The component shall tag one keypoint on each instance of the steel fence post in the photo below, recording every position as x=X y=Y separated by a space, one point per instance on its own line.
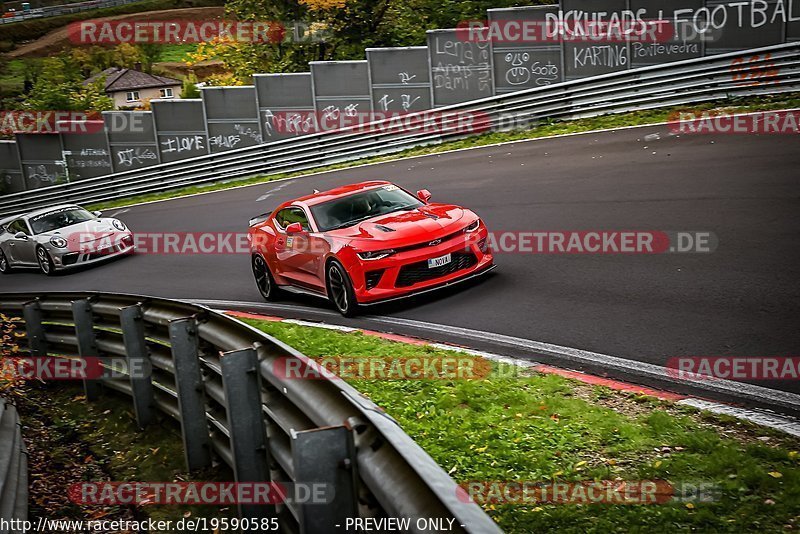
x=248 y=436
x=34 y=329
x=324 y=462
x=138 y=357
x=87 y=343
x=191 y=401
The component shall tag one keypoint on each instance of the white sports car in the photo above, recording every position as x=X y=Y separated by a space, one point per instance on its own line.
x=60 y=237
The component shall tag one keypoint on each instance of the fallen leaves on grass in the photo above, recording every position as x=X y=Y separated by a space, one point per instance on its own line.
x=57 y=458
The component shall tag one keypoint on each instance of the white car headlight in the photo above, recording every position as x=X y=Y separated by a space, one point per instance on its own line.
x=375 y=255
x=58 y=242
x=118 y=225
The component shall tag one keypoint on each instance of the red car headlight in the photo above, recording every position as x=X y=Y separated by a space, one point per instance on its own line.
x=473 y=226
x=375 y=255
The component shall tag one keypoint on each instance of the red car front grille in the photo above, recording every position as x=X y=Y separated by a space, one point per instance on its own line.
x=414 y=273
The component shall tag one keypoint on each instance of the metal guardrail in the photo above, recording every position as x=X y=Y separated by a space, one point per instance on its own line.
x=765 y=70
x=220 y=379
x=13 y=466
x=65 y=9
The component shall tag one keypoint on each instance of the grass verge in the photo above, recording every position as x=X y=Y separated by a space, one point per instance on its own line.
x=176 y=52
x=791 y=100
x=546 y=428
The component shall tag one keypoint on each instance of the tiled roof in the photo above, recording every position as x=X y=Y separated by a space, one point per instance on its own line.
x=118 y=79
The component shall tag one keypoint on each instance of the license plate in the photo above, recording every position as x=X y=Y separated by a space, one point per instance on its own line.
x=438 y=262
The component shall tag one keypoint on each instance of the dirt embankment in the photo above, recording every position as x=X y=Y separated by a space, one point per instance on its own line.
x=57 y=40
x=202 y=70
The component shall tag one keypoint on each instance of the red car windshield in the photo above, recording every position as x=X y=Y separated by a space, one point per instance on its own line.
x=358 y=207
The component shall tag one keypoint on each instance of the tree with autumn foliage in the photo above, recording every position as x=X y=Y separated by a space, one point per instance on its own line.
x=336 y=30
x=60 y=85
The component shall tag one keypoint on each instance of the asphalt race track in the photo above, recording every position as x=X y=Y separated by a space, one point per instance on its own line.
x=741 y=300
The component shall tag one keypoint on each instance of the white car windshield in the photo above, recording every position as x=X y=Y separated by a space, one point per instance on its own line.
x=53 y=220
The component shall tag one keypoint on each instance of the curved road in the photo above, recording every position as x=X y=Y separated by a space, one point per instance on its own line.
x=741 y=300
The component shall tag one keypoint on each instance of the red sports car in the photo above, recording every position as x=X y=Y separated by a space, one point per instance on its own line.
x=366 y=243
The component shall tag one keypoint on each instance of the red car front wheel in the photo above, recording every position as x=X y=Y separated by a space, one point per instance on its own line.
x=340 y=290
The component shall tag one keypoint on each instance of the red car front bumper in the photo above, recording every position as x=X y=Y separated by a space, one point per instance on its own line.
x=407 y=272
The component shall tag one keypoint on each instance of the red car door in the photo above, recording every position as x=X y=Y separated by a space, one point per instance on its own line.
x=298 y=255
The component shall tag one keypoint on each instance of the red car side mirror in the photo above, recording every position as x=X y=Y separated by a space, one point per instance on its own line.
x=424 y=195
x=295 y=228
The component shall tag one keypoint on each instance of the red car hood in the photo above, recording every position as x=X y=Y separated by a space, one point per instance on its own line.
x=407 y=227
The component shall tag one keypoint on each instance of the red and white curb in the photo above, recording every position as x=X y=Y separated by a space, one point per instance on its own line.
x=783 y=423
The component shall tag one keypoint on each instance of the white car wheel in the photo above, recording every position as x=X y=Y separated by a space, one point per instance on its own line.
x=45 y=262
x=5 y=267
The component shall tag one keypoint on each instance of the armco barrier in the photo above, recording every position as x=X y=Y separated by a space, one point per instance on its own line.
x=765 y=70
x=13 y=466
x=216 y=376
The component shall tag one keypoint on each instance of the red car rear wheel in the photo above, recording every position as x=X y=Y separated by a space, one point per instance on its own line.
x=264 y=280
